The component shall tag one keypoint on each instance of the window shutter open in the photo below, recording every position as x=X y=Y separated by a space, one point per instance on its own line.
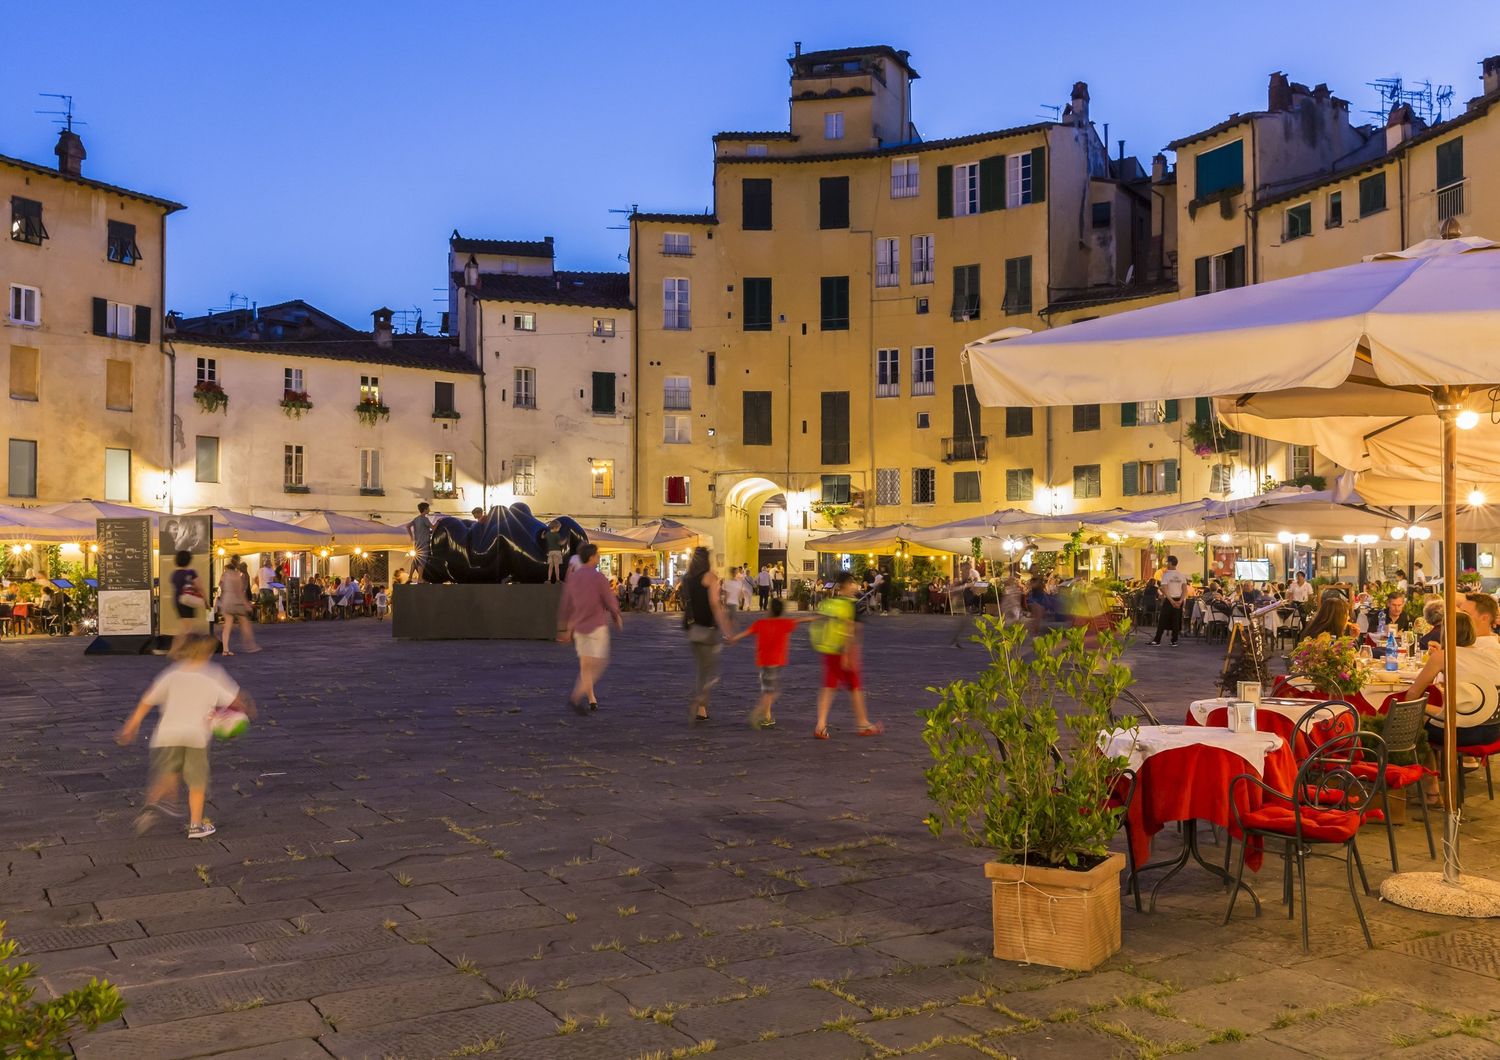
x=1130 y=475
x=1039 y=174
x=1203 y=409
x=1236 y=277
x=1169 y=411
x=1202 y=276
x=992 y=183
x=142 y=323
x=1169 y=476
x=101 y=316
x=945 y=191
x=1127 y=414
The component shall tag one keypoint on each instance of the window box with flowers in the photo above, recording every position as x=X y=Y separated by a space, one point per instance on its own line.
x=1208 y=437
x=210 y=396
x=445 y=414
x=372 y=412
x=294 y=403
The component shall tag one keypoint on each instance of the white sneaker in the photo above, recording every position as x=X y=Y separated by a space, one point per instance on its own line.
x=201 y=831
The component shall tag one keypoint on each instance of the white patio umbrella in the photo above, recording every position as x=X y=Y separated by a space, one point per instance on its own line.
x=238 y=531
x=885 y=539
x=661 y=535
x=34 y=525
x=347 y=531
x=1376 y=360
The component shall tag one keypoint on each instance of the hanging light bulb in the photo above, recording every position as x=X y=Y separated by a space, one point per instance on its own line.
x=1348 y=539
x=1225 y=538
x=1476 y=498
x=1467 y=420
x=1397 y=533
x=1303 y=539
x=1285 y=537
x=1158 y=536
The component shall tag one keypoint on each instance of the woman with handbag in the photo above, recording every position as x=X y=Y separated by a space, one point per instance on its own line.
x=707 y=626
x=234 y=604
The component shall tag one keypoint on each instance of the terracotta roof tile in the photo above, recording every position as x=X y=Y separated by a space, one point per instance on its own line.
x=598 y=290
x=432 y=352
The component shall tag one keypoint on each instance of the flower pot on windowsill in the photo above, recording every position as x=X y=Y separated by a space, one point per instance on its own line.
x=365 y=491
x=372 y=412
x=295 y=489
x=1063 y=918
x=295 y=404
x=445 y=414
x=210 y=397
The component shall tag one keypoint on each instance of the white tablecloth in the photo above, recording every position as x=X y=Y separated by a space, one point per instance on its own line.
x=1147 y=740
x=1201 y=708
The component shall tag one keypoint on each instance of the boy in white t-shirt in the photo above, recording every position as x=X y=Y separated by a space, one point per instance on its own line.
x=187 y=693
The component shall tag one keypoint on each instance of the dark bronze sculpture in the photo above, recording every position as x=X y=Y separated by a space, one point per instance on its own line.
x=506 y=545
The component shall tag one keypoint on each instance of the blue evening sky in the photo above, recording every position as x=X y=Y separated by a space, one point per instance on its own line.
x=326 y=150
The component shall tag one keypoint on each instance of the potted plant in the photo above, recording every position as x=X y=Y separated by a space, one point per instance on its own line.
x=1208 y=437
x=294 y=403
x=1004 y=779
x=1332 y=663
x=210 y=396
x=371 y=411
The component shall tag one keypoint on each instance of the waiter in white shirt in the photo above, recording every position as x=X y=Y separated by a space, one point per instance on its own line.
x=1173 y=599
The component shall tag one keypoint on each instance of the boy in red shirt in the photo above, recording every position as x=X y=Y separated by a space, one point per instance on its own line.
x=772 y=637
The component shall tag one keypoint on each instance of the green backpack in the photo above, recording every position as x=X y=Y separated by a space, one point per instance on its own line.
x=831 y=633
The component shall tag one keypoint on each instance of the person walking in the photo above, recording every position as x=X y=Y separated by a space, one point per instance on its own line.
x=734 y=591
x=643 y=591
x=835 y=636
x=584 y=616
x=234 y=605
x=763 y=583
x=778 y=579
x=631 y=582
x=772 y=638
x=1173 y=599
x=707 y=623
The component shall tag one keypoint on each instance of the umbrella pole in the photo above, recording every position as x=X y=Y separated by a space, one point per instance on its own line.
x=1447 y=412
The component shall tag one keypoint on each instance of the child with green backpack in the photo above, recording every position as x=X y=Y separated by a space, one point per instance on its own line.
x=835 y=636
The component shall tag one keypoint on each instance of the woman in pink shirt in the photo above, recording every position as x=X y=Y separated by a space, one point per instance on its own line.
x=584 y=616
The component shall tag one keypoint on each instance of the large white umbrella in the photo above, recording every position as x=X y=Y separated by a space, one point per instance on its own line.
x=1378 y=358
x=885 y=539
x=347 y=531
x=35 y=525
x=239 y=531
x=661 y=535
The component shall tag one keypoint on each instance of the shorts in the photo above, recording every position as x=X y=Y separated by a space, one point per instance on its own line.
x=555 y=558
x=191 y=762
x=592 y=645
x=837 y=675
x=770 y=680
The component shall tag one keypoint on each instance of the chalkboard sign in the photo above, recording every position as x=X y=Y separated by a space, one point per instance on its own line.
x=124 y=554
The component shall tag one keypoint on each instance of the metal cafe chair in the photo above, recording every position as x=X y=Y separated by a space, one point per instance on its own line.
x=1403 y=723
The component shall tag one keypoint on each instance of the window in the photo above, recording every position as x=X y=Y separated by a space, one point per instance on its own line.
x=888 y=485
x=1298 y=221
x=117 y=475
x=757 y=312
x=924 y=485
x=21 y=478
x=1146 y=413
x=755 y=204
x=1450 y=178
x=1221 y=478
x=1018 y=422
x=1018 y=484
x=291 y=382
x=966 y=189
x=291 y=466
x=677 y=392
x=118 y=385
x=678 y=489
x=121 y=247
x=26 y=221
x=833 y=202
x=969 y=442
x=676 y=304
x=1372 y=195
x=757 y=417
x=525 y=391
x=370 y=480
x=1335 y=218
x=443 y=482
x=677 y=244
x=756 y=150
x=525 y=321
x=887 y=373
x=833 y=125
x=603 y=474
x=965 y=292
x=835 y=303
x=603 y=328
x=768 y=520
x=923 y=374
x=905 y=175
x=509 y=266
x=523 y=476
x=677 y=430
x=1086 y=481
x=1299 y=461
x=835 y=489
x=1099 y=214
x=603 y=403
x=835 y=427
x=119 y=320
x=965 y=487
x=1149 y=476
x=1221 y=169
x=443 y=400
x=924 y=420
x=206 y=459
x=208 y=370
x=922 y=306
x=1219 y=272
x=921 y=259
x=25 y=305
x=1085 y=418
x=1018 y=182
x=25 y=370
x=369 y=390
x=1018 y=285
x=887 y=263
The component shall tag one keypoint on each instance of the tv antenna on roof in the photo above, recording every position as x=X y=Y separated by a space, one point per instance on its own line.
x=1056 y=114
x=64 y=116
x=634 y=209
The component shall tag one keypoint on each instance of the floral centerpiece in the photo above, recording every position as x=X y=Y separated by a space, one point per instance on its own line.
x=210 y=396
x=1332 y=662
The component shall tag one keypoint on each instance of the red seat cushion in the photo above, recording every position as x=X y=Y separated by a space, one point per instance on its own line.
x=1482 y=750
x=1395 y=776
x=1321 y=826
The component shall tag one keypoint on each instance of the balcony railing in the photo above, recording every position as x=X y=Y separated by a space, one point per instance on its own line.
x=887 y=389
x=677 y=250
x=923 y=388
x=967 y=447
x=1450 y=201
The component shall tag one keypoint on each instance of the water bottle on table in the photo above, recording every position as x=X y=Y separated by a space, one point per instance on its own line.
x=1391 y=662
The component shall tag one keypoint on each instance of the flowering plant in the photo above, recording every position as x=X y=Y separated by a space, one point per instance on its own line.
x=1331 y=662
x=210 y=395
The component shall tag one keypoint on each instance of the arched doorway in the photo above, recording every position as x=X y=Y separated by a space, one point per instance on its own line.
x=744 y=541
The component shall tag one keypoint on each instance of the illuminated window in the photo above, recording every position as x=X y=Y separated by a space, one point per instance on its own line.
x=603 y=472
x=523 y=478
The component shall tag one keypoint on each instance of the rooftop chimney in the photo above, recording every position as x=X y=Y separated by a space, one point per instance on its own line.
x=1399 y=126
x=382 y=326
x=1491 y=74
x=1279 y=94
x=1077 y=111
x=70 y=153
x=1158 y=168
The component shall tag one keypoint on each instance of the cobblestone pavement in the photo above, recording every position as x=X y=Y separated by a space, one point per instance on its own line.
x=422 y=854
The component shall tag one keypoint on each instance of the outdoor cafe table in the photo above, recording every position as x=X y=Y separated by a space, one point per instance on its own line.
x=1183 y=774
x=1380 y=685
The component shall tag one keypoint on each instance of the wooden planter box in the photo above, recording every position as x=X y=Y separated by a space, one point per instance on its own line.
x=1063 y=918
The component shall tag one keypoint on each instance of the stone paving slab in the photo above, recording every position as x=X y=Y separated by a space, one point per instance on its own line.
x=441 y=1034
x=205 y=1034
x=408 y=999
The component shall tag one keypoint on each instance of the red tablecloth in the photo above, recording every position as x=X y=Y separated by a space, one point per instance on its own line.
x=1192 y=783
x=1284 y=689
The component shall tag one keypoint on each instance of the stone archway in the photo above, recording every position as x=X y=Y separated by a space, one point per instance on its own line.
x=743 y=503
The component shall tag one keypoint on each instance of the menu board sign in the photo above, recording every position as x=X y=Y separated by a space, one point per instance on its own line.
x=124 y=554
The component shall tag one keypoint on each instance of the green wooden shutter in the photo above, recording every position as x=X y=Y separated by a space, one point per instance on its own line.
x=142 y=323
x=945 y=191
x=1236 y=277
x=1130 y=476
x=1039 y=174
x=604 y=392
x=1169 y=476
x=992 y=183
x=1203 y=409
x=1169 y=414
x=101 y=316
x=1202 y=276
x=1450 y=162
x=1127 y=414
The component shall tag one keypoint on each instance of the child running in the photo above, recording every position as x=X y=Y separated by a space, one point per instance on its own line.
x=836 y=638
x=187 y=693
x=772 y=637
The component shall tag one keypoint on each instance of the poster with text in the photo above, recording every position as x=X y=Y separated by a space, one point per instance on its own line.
x=186 y=579
x=124 y=577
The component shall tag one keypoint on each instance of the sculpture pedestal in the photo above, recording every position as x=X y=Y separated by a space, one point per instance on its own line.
x=475 y=612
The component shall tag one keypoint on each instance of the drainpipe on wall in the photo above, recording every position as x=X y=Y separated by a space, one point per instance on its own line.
x=1401 y=199
x=635 y=389
x=870 y=370
x=1251 y=217
x=171 y=352
x=484 y=401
